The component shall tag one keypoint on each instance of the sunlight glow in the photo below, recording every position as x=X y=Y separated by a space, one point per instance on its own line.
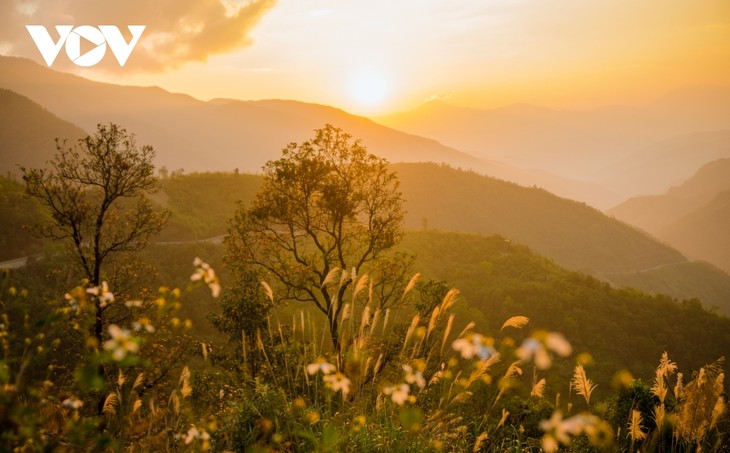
x=369 y=88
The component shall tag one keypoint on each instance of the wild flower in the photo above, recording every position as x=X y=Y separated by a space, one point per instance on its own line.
x=414 y=376
x=72 y=301
x=561 y=431
x=204 y=272
x=337 y=382
x=532 y=349
x=72 y=403
x=557 y=343
x=322 y=365
x=193 y=433
x=102 y=292
x=143 y=323
x=536 y=348
x=398 y=393
x=474 y=345
x=358 y=423
x=121 y=343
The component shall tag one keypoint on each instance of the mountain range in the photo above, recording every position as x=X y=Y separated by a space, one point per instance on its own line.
x=694 y=216
x=627 y=150
x=227 y=134
x=223 y=134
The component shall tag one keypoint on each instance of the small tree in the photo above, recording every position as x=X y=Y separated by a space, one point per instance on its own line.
x=325 y=206
x=95 y=192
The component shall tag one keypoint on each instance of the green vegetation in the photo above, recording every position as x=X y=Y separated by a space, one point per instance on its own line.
x=623 y=329
x=528 y=356
x=202 y=203
x=442 y=198
x=679 y=280
x=16 y=213
x=573 y=234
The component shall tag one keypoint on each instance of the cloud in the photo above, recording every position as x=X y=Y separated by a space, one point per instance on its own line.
x=178 y=31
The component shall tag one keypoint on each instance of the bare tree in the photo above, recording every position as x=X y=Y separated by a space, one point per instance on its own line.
x=95 y=191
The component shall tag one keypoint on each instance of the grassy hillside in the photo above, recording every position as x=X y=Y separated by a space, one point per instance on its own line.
x=621 y=329
x=28 y=132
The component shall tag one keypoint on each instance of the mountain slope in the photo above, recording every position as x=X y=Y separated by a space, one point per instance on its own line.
x=654 y=168
x=438 y=197
x=704 y=233
x=28 y=132
x=694 y=216
x=655 y=212
x=621 y=329
x=575 y=235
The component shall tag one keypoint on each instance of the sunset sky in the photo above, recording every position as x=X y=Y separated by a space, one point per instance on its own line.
x=380 y=56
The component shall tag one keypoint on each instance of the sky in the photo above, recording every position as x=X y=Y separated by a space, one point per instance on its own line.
x=380 y=56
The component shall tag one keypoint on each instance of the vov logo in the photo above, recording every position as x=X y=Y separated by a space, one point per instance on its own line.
x=100 y=37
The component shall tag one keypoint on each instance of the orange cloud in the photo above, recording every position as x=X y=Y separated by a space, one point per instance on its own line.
x=178 y=31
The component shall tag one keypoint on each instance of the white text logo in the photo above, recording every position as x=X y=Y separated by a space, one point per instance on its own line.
x=98 y=36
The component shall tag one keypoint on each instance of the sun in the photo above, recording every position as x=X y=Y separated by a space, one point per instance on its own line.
x=369 y=88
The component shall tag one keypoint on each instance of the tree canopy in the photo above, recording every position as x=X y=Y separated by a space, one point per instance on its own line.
x=95 y=191
x=327 y=211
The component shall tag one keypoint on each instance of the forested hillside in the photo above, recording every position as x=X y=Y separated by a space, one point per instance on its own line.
x=620 y=328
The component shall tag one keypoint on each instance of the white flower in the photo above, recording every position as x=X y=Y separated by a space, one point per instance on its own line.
x=398 y=393
x=534 y=348
x=105 y=296
x=320 y=365
x=143 y=323
x=193 y=434
x=474 y=345
x=414 y=377
x=204 y=272
x=215 y=289
x=121 y=343
x=72 y=301
x=557 y=343
x=72 y=403
x=561 y=431
x=337 y=382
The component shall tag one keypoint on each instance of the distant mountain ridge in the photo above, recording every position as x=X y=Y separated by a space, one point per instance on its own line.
x=597 y=145
x=224 y=134
x=693 y=216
